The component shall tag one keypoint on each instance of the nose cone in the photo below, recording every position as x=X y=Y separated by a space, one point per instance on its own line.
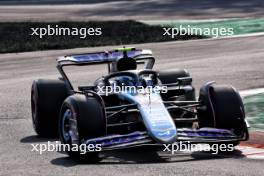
x=155 y=116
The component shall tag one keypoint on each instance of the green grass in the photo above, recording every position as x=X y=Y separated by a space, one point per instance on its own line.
x=15 y=37
x=254 y=106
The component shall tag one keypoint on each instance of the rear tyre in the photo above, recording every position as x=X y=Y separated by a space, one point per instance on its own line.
x=47 y=97
x=169 y=77
x=82 y=118
x=224 y=109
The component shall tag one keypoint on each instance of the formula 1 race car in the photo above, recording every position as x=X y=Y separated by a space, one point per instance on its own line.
x=132 y=107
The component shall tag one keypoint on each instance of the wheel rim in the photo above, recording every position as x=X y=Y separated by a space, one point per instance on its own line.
x=69 y=127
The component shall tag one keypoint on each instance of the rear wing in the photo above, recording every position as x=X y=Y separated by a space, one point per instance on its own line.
x=104 y=57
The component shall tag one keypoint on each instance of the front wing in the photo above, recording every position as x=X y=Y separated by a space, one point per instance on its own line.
x=135 y=139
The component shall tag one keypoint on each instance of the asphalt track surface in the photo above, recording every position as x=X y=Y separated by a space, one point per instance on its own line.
x=236 y=61
x=48 y=10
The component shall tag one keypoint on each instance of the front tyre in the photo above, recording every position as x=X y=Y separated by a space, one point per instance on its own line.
x=224 y=109
x=82 y=117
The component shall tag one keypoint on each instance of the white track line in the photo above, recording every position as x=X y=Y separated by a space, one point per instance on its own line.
x=250 y=92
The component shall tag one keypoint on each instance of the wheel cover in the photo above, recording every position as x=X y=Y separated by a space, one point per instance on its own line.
x=69 y=127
